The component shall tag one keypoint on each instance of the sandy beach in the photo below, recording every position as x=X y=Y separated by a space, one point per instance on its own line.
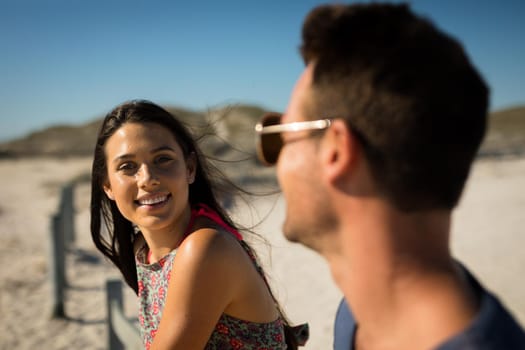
x=488 y=236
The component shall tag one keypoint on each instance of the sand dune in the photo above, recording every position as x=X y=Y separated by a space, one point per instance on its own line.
x=488 y=234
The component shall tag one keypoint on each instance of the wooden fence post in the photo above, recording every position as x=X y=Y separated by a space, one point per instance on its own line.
x=67 y=211
x=62 y=237
x=113 y=297
x=121 y=333
x=56 y=269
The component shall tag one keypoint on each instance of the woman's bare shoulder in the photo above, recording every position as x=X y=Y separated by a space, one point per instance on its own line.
x=204 y=286
x=209 y=244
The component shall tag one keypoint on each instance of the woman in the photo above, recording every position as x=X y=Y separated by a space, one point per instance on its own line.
x=198 y=282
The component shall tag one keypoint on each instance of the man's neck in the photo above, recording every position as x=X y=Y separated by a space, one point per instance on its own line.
x=399 y=279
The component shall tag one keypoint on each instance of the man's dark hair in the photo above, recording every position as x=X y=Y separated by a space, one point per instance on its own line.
x=407 y=91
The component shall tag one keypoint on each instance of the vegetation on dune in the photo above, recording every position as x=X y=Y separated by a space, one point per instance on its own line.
x=506 y=136
x=227 y=133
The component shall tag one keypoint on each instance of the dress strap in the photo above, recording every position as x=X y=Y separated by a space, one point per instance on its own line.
x=202 y=209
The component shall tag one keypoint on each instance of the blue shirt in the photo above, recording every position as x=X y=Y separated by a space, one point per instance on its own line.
x=493 y=328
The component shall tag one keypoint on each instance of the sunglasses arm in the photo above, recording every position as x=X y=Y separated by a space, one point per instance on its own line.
x=296 y=126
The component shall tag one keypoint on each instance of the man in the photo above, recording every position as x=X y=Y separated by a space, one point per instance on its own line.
x=372 y=156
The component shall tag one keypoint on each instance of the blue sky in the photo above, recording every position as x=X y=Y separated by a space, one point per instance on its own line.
x=70 y=61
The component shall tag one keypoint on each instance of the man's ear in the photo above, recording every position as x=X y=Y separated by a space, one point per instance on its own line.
x=108 y=191
x=339 y=151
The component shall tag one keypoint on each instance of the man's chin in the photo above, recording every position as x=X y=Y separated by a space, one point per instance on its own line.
x=297 y=236
x=291 y=237
x=289 y=233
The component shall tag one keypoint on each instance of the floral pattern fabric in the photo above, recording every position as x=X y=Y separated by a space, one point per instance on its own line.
x=229 y=333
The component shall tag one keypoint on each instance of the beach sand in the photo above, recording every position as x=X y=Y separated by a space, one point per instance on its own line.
x=488 y=236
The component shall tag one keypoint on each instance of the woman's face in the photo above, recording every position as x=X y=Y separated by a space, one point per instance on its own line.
x=148 y=177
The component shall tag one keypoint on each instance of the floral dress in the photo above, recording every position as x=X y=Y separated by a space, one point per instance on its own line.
x=229 y=333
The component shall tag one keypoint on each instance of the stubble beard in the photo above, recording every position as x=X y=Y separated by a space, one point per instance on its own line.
x=309 y=212
x=295 y=234
x=310 y=230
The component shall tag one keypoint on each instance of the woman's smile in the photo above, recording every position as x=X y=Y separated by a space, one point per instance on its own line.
x=153 y=201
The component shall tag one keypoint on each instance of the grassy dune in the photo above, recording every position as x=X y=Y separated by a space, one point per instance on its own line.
x=234 y=127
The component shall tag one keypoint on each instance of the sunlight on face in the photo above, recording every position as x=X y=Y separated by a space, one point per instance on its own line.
x=148 y=176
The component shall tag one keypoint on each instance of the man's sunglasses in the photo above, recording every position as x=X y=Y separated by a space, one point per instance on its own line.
x=270 y=141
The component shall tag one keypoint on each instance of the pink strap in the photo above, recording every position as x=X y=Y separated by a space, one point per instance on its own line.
x=204 y=210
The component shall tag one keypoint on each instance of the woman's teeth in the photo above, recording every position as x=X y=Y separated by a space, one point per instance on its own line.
x=153 y=200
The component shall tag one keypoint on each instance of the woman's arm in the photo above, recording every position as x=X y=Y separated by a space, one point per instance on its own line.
x=202 y=285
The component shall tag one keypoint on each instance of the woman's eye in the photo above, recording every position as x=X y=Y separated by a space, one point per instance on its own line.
x=163 y=159
x=126 y=167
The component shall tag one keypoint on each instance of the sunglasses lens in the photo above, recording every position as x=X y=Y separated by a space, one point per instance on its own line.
x=270 y=144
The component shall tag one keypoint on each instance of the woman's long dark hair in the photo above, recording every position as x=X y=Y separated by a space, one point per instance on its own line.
x=117 y=242
x=112 y=233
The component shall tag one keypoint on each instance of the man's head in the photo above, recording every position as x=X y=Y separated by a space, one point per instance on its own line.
x=407 y=92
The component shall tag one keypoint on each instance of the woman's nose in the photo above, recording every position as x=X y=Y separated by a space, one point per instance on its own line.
x=147 y=176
